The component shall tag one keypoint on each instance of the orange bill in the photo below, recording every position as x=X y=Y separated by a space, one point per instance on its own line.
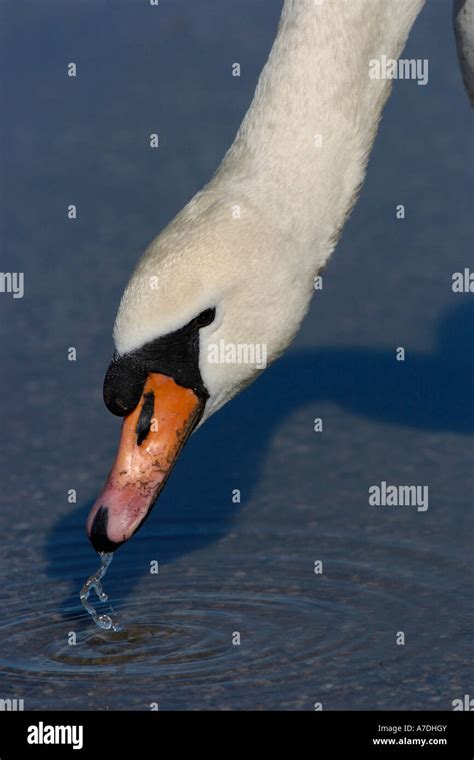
x=152 y=437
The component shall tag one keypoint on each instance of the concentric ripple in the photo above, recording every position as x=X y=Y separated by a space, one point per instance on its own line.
x=279 y=635
x=184 y=634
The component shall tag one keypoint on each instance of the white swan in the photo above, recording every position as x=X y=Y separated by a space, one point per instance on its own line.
x=236 y=266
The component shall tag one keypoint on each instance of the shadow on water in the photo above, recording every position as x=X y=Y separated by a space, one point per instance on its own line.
x=427 y=392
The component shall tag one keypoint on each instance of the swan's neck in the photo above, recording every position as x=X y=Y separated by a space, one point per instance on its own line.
x=300 y=154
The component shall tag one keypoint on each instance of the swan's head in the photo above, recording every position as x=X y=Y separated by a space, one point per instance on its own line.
x=211 y=303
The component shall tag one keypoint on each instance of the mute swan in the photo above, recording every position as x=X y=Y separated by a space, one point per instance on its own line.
x=236 y=266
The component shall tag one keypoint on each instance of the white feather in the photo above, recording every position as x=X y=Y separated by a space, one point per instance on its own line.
x=294 y=196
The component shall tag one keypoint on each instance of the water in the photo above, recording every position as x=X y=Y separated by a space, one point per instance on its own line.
x=227 y=568
x=94 y=582
x=304 y=638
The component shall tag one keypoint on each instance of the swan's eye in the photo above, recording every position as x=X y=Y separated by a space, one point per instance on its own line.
x=205 y=317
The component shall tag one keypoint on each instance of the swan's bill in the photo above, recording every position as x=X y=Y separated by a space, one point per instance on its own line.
x=151 y=439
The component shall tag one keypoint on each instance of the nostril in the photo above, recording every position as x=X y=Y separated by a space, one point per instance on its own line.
x=98 y=536
x=146 y=416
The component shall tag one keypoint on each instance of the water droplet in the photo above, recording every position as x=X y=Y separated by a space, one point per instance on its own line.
x=105 y=622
